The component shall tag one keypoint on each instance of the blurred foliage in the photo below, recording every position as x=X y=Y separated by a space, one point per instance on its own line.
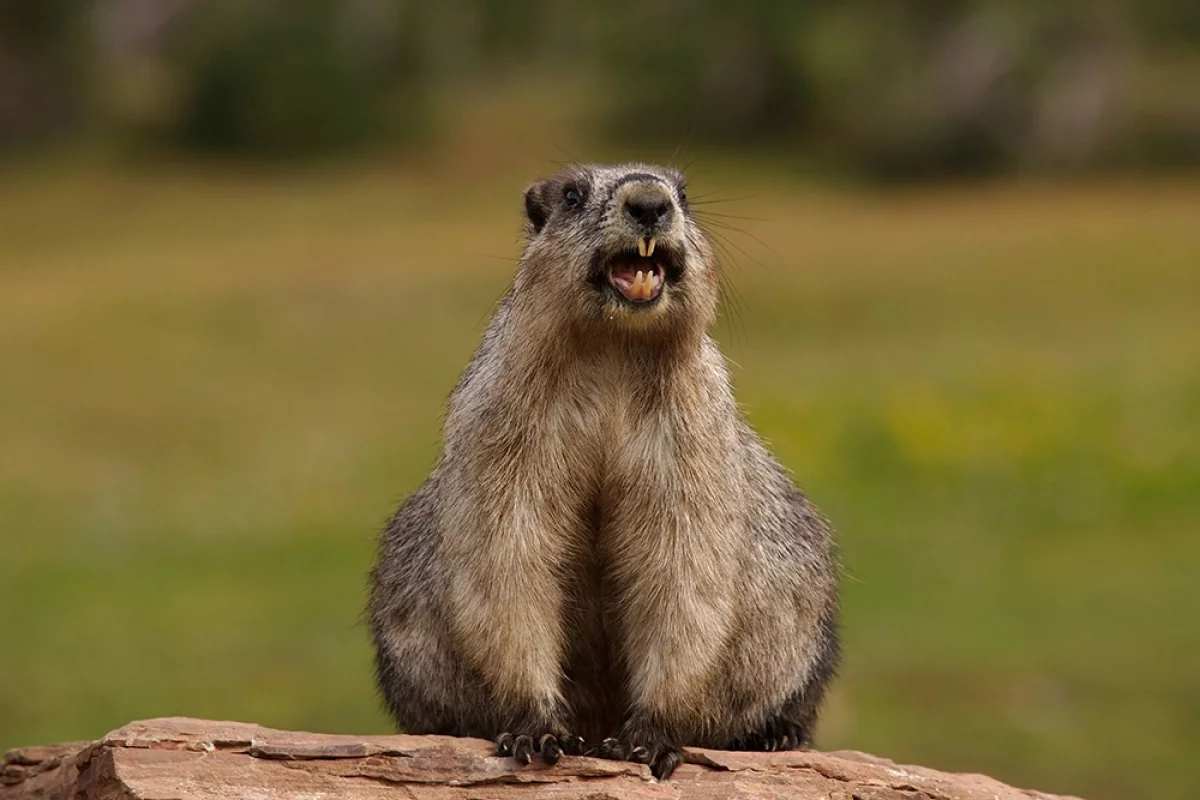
x=907 y=90
x=918 y=89
x=295 y=78
x=701 y=69
x=44 y=81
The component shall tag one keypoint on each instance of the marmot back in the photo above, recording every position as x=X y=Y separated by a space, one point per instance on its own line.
x=606 y=556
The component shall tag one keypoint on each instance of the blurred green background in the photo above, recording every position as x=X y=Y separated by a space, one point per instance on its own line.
x=246 y=248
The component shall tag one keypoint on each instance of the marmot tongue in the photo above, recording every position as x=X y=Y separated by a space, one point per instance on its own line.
x=637 y=279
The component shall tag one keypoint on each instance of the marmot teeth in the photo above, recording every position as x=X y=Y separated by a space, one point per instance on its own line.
x=644 y=285
x=646 y=247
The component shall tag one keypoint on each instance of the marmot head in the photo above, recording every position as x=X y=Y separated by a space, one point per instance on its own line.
x=615 y=249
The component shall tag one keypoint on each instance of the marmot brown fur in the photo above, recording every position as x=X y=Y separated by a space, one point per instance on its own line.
x=606 y=553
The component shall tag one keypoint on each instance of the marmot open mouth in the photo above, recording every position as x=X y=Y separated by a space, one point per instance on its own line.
x=639 y=277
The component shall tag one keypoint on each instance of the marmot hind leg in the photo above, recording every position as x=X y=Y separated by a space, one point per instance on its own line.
x=791 y=727
x=779 y=733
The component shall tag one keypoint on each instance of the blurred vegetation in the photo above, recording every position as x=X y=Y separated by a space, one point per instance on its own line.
x=885 y=91
x=45 y=49
x=295 y=78
x=921 y=89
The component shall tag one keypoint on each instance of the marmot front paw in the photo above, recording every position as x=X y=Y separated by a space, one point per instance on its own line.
x=662 y=754
x=522 y=746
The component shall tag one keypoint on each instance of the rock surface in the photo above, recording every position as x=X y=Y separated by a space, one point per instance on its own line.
x=181 y=759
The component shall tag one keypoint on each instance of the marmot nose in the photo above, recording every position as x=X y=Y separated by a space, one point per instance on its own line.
x=648 y=209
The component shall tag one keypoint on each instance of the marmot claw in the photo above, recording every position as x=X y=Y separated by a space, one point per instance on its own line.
x=552 y=746
x=662 y=757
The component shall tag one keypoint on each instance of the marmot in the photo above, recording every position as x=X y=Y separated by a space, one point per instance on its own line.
x=606 y=553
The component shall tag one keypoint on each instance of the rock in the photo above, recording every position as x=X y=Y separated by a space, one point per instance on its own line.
x=182 y=759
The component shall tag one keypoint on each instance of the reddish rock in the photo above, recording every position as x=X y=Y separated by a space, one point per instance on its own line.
x=182 y=759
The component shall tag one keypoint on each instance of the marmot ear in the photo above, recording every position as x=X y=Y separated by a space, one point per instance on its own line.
x=536 y=209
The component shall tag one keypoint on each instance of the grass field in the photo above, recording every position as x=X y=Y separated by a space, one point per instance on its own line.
x=214 y=389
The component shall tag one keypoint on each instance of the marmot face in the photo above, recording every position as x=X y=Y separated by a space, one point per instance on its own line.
x=618 y=245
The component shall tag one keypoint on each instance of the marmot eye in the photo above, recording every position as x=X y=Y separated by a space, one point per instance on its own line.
x=572 y=197
x=683 y=194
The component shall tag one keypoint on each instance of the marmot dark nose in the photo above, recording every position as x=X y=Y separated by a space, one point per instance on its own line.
x=648 y=209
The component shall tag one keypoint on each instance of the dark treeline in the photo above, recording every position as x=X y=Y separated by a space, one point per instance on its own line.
x=887 y=90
